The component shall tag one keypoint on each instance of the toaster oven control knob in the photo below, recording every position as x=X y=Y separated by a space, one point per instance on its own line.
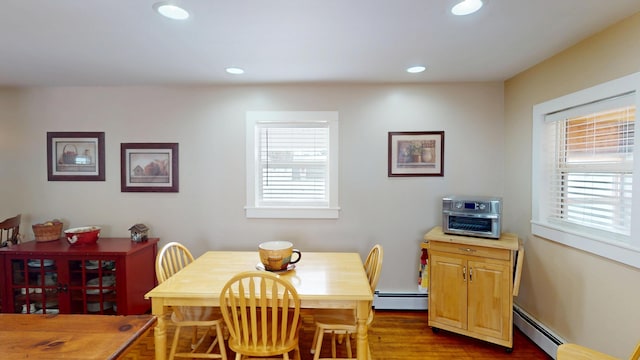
x=482 y=206
x=459 y=205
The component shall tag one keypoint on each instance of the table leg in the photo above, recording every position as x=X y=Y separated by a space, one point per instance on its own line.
x=160 y=331
x=362 y=314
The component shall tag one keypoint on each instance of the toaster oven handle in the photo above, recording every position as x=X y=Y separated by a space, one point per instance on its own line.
x=471 y=215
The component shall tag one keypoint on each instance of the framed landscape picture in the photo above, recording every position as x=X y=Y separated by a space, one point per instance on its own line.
x=75 y=156
x=416 y=153
x=149 y=167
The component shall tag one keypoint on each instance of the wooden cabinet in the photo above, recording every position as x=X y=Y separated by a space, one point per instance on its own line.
x=109 y=277
x=472 y=282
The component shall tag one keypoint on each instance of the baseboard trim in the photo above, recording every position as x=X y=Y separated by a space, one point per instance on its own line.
x=400 y=301
x=542 y=336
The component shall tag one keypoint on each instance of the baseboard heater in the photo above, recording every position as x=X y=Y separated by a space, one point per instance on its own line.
x=400 y=301
x=538 y=333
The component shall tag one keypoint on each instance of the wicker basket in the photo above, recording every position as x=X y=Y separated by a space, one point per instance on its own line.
x=47 y=232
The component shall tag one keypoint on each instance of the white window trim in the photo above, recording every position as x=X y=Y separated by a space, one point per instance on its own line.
x=330 y=212
x=626 y=251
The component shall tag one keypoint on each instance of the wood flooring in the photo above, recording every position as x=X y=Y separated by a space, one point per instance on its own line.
x=394 y=335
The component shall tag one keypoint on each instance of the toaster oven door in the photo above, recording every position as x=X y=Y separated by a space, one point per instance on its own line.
x=465 y=224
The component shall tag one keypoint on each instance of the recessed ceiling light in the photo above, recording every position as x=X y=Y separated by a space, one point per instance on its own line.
x=234 y=70
x=466 y=7
x=416 y=69
x=171 y=11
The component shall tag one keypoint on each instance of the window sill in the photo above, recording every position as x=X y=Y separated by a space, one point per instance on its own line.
x=292 y=213
x=616 y=251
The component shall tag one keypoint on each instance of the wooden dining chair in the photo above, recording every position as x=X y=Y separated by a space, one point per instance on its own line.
x=10 y=231
x=172 y=258
x=571 y=351
x=341 y=324
x=262 y=313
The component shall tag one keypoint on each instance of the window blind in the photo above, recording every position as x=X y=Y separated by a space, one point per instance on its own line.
x=590 y=162
x=293 y=163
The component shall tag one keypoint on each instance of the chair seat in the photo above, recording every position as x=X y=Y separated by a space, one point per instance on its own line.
x=272 y=346
x=577 y=352
x=182 y=314
x=569 y=351
x=342 y=323
x=345 y=318
x=198 y=317
x=267 y=350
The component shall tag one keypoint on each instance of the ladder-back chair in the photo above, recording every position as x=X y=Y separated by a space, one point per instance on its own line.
x=262 y=314
x=10 y=231
x=570 y=351
x=341 y=323
x=172 y=258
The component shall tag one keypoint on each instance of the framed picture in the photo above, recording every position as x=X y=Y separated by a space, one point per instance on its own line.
x=416 y=153
x=75 y=156
x=149 y=167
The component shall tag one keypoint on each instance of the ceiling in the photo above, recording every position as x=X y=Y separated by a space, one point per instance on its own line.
x=124 y=42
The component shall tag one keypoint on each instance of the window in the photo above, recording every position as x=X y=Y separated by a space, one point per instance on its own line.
x=583 y=170
x=592 y=165
x=292 y=164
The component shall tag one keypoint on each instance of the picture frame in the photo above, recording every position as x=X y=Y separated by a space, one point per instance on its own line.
x=416 y=153
x=75 y=156
x=149 y=167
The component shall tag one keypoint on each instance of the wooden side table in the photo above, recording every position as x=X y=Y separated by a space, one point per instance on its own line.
x=472 y=282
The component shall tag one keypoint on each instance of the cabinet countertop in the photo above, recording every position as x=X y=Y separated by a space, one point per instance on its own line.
x=507 y=241
x=105 y=246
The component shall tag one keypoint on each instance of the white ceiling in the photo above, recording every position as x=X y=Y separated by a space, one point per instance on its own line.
x=124 y=42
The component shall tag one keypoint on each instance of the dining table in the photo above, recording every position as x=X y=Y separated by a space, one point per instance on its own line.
x=323 y=280
x=70 y=336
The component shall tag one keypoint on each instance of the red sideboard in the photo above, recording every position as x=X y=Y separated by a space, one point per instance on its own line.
x=109 y=277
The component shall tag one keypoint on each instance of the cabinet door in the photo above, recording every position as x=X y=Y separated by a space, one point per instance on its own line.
x=448 y=290
x=92 y=285
x=32 y=285
x=489 y=297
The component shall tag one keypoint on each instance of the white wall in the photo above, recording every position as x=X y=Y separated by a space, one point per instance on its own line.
x=11 y=162
x=584 y=298
x=209 y=125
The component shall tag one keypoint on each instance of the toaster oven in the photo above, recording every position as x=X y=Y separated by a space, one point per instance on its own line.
x=472 y=216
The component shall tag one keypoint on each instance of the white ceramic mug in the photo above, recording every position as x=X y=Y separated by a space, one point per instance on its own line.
x=277 y=255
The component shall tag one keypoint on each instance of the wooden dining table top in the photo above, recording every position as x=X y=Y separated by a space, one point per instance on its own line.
x=70 y=336
x=325 y=280
x=322 y=279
